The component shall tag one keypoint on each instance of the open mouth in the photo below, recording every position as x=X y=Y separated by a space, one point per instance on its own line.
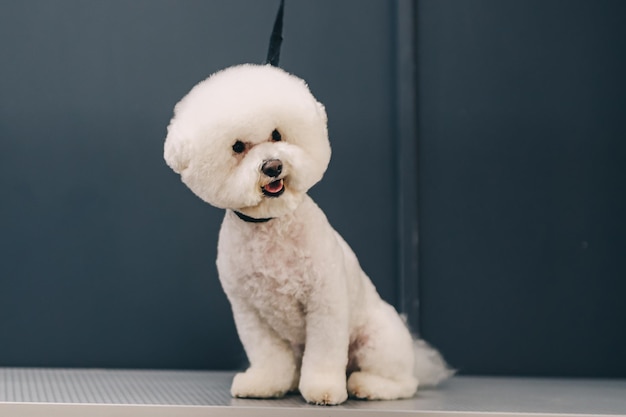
x=274 y=188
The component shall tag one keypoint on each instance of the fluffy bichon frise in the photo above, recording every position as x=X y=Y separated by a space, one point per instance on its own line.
x=253 y=140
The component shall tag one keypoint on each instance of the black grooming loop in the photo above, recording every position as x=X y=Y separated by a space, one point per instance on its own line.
x=276 y=39
x=273 y=56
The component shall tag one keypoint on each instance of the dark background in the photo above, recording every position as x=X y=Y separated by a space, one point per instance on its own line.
x=107 y=260
x=522 y=140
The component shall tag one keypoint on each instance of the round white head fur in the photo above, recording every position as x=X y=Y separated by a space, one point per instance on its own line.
x=231 y=124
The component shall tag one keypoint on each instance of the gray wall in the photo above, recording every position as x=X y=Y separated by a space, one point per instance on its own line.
x=522 y=131
x=106 y=259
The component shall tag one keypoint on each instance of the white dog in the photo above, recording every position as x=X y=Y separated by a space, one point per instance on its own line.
x=252 y=139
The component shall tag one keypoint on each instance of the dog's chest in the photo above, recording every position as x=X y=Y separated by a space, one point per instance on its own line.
x=272 y=273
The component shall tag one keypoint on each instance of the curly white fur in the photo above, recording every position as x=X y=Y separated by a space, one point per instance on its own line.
x=307 y=315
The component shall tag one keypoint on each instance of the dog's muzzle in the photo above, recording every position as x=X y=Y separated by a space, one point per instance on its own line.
x=273 y=168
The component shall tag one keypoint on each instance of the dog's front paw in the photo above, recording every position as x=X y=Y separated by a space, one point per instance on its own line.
x=256 y=383
x=324 y=388
x=367 y=386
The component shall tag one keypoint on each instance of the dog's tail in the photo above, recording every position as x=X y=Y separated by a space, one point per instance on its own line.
x=431 y=368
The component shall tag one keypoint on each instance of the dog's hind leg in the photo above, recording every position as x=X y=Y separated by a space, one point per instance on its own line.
x=273 y=367
x=382 y=358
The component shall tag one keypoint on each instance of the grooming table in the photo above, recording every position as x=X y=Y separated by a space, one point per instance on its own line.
x=102 y=392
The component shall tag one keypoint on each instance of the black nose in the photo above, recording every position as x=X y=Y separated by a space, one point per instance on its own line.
x=272 y=167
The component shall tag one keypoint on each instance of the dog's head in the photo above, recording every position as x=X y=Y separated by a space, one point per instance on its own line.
x=251 y=138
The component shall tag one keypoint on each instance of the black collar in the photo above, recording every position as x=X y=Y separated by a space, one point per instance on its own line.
x=251 y=219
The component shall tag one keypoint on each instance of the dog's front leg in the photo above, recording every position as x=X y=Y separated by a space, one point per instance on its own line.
x=273 y=370
x=323 y=371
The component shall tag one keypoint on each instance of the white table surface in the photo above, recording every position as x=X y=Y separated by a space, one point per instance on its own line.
x=100 y=392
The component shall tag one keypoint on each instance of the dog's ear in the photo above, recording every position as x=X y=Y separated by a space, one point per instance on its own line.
x=321 y=110
x=176 y=150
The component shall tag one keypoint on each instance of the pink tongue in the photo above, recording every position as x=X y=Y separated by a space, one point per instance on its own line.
x=274 y=187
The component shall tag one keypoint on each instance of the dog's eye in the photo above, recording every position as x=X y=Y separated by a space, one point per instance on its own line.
x=239 y=147
x=276 y=136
